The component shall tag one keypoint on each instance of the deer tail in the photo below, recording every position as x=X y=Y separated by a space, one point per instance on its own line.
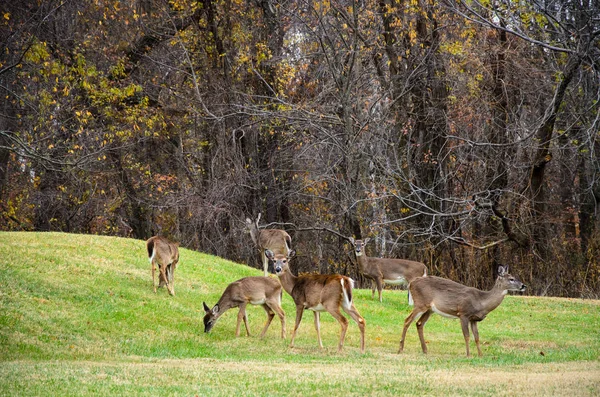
x=347 y=291
x=411 y=302
x=150 y=247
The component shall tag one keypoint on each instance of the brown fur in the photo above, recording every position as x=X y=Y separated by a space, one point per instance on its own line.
x=315 y=290
x=276 y=240
x=468 y=304
x=166 y=254
x=380 y=269
x=244 y=291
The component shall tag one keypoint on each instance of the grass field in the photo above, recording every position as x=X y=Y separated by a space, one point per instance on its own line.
x=78 y=317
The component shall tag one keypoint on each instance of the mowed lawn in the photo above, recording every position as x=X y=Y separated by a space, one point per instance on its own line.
x=78 y=317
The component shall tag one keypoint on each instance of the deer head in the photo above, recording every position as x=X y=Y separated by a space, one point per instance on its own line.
x=280 y=262
x=211 y=316
x=359 y=245
x=507 y=282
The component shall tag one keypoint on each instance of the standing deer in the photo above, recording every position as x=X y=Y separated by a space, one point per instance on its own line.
x=276 y=240
x=385 y=270
x=318 y=292
x=166 y=254
x=264 y=291
x=454 y=300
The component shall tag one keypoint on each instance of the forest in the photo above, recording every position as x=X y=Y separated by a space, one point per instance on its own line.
x=461 y=133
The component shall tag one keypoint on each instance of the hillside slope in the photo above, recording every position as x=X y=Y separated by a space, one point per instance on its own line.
x=85 y=304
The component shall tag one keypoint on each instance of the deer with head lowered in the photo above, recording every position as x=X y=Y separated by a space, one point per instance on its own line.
x=386 y=270
x=276 y=240
x=318 y=292
x=166 y=254
x=264 y=291
x=454 y=300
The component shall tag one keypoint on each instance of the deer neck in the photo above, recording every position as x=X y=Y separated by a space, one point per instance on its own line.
x=224 y=304
x=363 y=262
x=494 y=297
x=288 y=281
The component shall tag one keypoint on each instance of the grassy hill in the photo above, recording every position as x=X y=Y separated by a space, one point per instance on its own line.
x=78 y=317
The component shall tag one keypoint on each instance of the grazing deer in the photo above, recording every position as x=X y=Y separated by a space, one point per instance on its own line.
x=166 y=254
x=262 y=291
x=385 y=270
x=318 y=292
x=276 y=240
x=454 y=300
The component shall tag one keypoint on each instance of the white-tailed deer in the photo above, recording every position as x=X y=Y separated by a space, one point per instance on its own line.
x=386 y=270
x=276 y=240
x=264 y=291
x=318 y=292
x=454 y=300
x=166 y=254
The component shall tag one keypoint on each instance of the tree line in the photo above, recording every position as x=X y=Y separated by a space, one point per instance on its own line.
x=464 y=134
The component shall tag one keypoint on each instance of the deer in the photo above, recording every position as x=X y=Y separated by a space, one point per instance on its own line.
x=451 y=299
x=276 y=240
x=264 y=291
x=318 y=292
x=386 y=270
x=166 y=254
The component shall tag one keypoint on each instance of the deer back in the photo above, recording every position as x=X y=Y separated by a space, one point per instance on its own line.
x=391 y=269
x=314 y=289
x=446 y=296
x=255 y=290
x=164 y=251
x=276 y=240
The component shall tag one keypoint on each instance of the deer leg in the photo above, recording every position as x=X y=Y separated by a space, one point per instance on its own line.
x=361 y=324
x=170 y=283
x=373 y=289
x=276 y=307
x=335 y=312
x=299 y=312
x=476 y=336
x=163 y=276
x=379 y=282
x=464 y=323
x=265 y=263
x=420 y=325
x=153 y=282
x=415 y=314
x=318 y=328
x=270 y=315
x=242 y=316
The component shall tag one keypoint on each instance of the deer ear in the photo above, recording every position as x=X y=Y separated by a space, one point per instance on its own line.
x=206 y=308
x=365 y=241
x=351 y=239
x=291 y=254
x=502 y=270
x=215 y=309
x=269 y=254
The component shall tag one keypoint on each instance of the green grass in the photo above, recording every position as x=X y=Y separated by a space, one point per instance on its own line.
x=78 y=317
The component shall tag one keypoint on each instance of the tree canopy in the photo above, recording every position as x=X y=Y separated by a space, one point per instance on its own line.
x=464 y=134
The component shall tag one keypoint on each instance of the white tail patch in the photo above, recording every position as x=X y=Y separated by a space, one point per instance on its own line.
x=151 y=259
x=411 y=302
x=346 y=301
